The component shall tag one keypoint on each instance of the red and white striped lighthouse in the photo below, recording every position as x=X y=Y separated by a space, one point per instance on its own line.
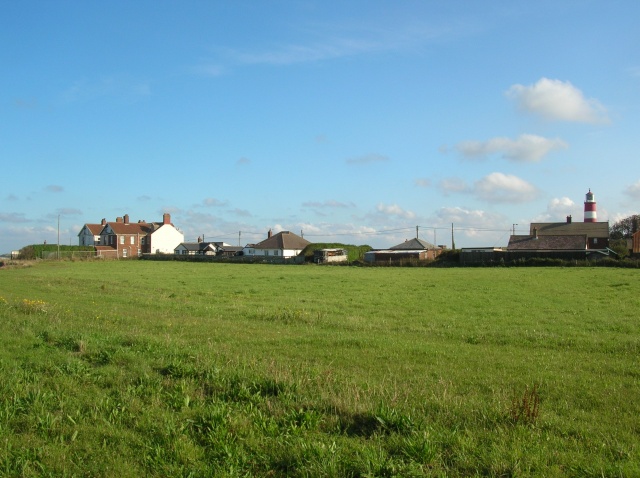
x=590 y=214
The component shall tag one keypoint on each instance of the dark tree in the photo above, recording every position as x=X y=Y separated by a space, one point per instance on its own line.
x=625 y=228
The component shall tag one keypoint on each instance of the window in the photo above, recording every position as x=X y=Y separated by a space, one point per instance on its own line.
x=133 y=239
x=275 y=253
x=595 y=240
x=121 y=239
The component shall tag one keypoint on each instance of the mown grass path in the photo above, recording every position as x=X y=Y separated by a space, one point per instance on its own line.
x=137 y=368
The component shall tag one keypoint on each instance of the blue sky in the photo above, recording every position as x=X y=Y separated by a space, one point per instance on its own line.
x=350 y=122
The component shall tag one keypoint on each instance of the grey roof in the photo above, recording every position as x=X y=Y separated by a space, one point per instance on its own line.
x=414 y=244
x=548 y=243
x=198 y=246
x=283 y=240
x=590 y=229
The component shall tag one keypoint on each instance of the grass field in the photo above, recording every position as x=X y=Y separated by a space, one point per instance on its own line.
x=140 y=368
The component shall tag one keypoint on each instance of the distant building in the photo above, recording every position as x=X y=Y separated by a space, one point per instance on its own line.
x=412 y=249
x=123 y=238
x=283 y=244
x=597 y=233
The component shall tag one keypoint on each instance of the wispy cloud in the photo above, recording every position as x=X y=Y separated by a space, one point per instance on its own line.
x=525 y=148
x=243 y=161
x=68 y=211
x=13 y=217
x=213 y=202
x=54 y=188
x=330 y=42
x=558 y=100
x=633 y=190
x=116 y=86
x=368 y=159
x=327 y=204
x=452 y=185
x=422 y=182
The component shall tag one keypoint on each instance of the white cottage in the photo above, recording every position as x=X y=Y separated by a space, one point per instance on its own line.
x=283 y=244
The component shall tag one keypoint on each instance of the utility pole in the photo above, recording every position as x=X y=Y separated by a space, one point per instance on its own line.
x=417 y=233
x=514 y=230
x=58 y=236
x=239 y=238
x=453 y=243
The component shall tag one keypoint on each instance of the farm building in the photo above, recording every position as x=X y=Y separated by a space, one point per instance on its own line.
x=415 y=249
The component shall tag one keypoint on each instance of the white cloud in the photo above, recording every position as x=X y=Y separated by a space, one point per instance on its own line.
x=525 y=148
x=504 y=188
x=633 y=190
x=394 y=210
x=558 y=100
x=558 y=209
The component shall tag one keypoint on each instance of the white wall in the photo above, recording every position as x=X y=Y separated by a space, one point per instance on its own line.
x=165 y=239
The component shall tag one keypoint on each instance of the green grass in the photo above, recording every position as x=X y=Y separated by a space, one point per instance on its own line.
x=140 y=368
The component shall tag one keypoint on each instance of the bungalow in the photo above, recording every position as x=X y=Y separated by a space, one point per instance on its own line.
x=196 y=248
x=283 y=244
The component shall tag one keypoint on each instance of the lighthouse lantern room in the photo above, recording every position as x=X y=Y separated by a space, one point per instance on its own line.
x=590 y=214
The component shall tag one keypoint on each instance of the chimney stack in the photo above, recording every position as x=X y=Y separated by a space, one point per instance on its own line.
x=569 y=219
x=269 y=234
x=118 y=219
x=166 y=218
x=103 y=222
x=126 y=219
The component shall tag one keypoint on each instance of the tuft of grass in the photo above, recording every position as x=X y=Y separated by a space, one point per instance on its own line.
x=525 y=407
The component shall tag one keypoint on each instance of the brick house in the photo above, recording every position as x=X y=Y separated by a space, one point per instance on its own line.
x=123 y=238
